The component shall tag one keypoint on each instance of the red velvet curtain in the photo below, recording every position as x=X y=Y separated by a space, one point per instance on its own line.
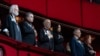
x=79 y=12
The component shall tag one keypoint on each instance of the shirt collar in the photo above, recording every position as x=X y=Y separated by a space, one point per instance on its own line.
x=76 y=37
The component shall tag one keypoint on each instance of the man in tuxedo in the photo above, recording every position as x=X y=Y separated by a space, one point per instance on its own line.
x=29 y=33
x=76 y=46
x=46 y=36
x=11 y=26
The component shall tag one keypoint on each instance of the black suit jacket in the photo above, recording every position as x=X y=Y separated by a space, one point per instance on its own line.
x=28 y=34
x=77 y=49
x=44 y=41
x=58 y=43
x=12 y=27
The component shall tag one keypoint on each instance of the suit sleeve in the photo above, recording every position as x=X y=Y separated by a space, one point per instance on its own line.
x=6 y=22
x=9 y=26
x=73 y=48
x=25 y=29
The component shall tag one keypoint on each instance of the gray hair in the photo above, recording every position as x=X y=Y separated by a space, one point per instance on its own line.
x=12 y=8
x=75 y=30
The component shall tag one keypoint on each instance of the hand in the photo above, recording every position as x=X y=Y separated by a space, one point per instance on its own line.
x=52 y=50
x=0 y=29
x=35 y=33
x=49 y=34
x=92 y=51
x=36 y=45
x=60 y=36
x=7 y=33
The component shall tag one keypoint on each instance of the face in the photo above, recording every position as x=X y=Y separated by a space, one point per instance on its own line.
x=16 y=11
x=78 y=33
x=89 y=38
x=59 y=28
x=47 y=24
x=30 y=18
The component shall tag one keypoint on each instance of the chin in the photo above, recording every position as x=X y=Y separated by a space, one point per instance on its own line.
x=16 y=14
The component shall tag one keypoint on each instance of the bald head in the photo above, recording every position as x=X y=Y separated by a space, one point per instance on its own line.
x=47 y=23
x=14 y=10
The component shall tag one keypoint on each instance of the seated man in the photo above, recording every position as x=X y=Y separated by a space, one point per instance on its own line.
x=46 y=37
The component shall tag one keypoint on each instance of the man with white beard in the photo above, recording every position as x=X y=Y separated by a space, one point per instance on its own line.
x=11 y=26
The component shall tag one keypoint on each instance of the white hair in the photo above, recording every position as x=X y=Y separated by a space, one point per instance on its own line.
x=12 y=7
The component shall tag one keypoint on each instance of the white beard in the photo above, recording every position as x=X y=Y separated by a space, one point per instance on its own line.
x=15 y=13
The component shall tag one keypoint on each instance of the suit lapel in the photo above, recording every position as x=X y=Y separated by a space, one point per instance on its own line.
x=28 y=26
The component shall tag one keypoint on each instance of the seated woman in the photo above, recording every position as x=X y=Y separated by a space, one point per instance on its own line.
x=87 y=45
x=28 y=31
x=58 y=40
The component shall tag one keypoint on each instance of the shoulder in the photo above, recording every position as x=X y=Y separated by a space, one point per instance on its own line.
x=8 y=17
x=24 y=24
x=73 y=38
x=42 y=29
